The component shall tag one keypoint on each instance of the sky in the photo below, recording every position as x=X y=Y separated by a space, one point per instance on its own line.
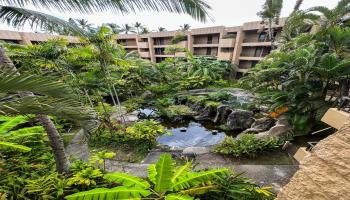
x=224 y=12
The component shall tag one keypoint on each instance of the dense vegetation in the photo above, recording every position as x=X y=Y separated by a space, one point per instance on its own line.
x=49 y=91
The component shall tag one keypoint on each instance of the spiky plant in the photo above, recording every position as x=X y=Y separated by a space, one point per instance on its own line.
x=165 y=182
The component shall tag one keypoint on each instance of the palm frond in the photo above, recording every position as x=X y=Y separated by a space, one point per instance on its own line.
x=8 y=123
x=199 y=190
x=18 y=17
x=11 y=82
x=198 y=9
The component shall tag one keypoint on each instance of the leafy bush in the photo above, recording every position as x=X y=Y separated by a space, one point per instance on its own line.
x=178 y=38
x=165 y=182
x=177 y=111
x=85 y=177
x=147 y=130
x=193 y=82
x=234 y=186
x=246 y=145
x=133 y=104
x=219 y=96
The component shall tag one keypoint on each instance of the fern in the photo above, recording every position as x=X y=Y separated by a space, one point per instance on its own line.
x=178 y=197
x=28 y=130
x=11 y=122
x=117 y=193
x=14 y=146
x=127 y=180
x=165 y=171
x=194 y=179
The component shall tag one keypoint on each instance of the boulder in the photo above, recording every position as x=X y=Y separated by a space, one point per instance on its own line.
x=222 y=112
x=240 y=119
x=147 y=94
x=261 y=125
x=207 y=113
x=280 y=129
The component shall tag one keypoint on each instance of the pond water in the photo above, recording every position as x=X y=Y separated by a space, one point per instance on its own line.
x=190 y=134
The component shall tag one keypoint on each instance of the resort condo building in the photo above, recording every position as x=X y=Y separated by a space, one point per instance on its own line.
x=243 y=45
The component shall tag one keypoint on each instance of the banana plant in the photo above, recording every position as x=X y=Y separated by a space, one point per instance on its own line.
x=165 y=181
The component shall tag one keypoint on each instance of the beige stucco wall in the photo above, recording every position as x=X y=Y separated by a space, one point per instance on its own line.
x=325 y=173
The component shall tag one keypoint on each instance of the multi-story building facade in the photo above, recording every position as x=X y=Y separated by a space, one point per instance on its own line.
x=243 y=45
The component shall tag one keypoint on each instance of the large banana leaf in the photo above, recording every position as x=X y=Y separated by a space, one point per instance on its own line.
x=199 y=190
x=152 y=172
x=165 y=172
x=181 y=171
x=127 y=180
x=197 y=178
x=117 y=193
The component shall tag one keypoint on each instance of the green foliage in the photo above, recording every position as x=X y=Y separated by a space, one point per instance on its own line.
x=120 y=192
x=219 y=96
x=51 y=186
x=147 y=130
x=234 y=186
x=100 y=157
x=166 y=181
x=177 y=111
x=178 y=38
x=246 y=145
x=85 y=177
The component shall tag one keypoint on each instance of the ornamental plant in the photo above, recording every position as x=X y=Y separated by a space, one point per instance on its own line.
x=165 y=181
x=147 y=130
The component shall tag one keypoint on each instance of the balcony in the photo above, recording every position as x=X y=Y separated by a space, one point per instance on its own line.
x=225 y=56
x=180 y=54
x=206 y=45
x=143 y=45
x=250 y=58
x=182 y=44
x=227 y=42
x=256 y=44
x=144 y=54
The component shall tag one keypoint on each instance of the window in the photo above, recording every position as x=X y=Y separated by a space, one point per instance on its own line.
x=262 y=37
x=258 y=51
x=210 y=39
x=208 y=51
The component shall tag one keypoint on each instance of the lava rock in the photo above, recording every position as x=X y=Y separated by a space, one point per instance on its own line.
x=261 y=125
x=279 y=130
x=240 y=119
x=222 y=112
x=206 y=114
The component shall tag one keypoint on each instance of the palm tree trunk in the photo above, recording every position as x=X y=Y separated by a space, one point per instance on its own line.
x=56 y=142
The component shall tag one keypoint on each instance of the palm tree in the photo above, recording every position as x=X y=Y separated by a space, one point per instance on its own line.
x=84 y=24
x=138 y=27
x=17 y=15
x=331 y=17
x=115 y=28
x=297 y=5
x=144 y=30
x=161 y=29
x=271 y=14
x=185 y=27
x=126 y=28
x=53 y=98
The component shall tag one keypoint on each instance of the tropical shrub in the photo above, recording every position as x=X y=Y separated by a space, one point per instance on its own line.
x=219 y=96
x=85 y=177
x=246 y=145
x=165 y=181
x=146 y=130
x=176 y=111
x=234 y=186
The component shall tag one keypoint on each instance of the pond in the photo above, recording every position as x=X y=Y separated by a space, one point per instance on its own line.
x=191 y=134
